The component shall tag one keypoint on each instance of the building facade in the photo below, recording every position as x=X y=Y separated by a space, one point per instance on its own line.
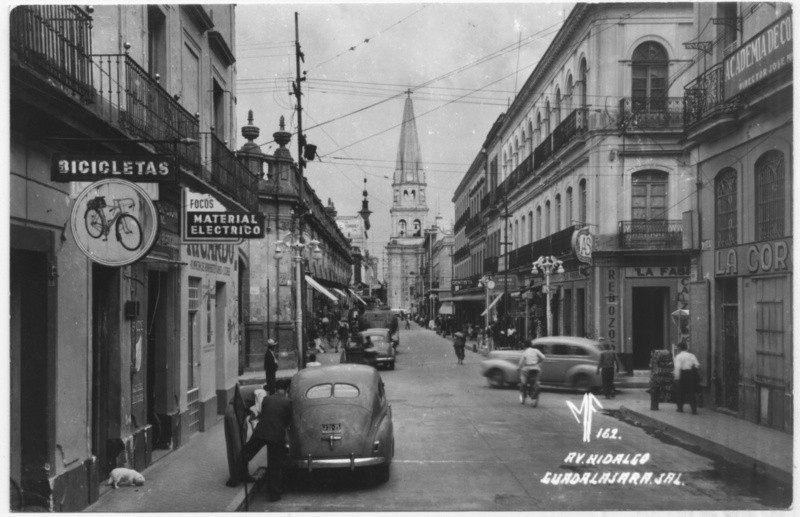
x=124 y=363
x=270 y=303
x=739 y=138
x=409 y=213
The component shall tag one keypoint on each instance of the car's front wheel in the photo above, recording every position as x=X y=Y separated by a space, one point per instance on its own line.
x=496 y=378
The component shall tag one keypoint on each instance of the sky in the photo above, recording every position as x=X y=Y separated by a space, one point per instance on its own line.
x=463 y=63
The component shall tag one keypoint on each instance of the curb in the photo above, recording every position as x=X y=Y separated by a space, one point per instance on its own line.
x=714 y=449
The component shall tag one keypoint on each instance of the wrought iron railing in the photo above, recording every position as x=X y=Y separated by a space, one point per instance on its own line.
x=461 y=253
x=461 y=221
x=486 y=201
x=231 y=175
x=474 y=223
x=573 y=125
x=558 y=244
x=490 y=264
x=543 y=151
x=128 y=97
x=55 y=40
x=651 y=234
x=704 y=96
x=651 y=113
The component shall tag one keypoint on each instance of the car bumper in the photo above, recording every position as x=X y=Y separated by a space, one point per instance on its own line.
x=335 y=463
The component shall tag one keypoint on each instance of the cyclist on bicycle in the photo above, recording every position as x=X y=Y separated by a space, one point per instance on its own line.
x=529 y=371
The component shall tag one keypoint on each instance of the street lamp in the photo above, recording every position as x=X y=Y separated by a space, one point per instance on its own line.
x=298 y=245
x=547 y=265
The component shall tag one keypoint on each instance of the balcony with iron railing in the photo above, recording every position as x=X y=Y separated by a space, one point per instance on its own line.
x=558 y=244
x=543 y=151
x=573 y=125
x=230 y=175
x=490 y=264
x=461 y=253
x=705 y=96
x=475 y=222
x=461 y=221
x=654 y=234
x=56 y=41
x=651 y=113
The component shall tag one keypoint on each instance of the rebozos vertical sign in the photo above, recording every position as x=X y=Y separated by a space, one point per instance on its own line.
x=761 y=57
x=114 y=222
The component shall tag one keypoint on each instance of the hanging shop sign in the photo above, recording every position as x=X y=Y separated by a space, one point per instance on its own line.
x=582 y=244
x=760 y=58
x=149 y=168
x=114 y=222
x=206 y=220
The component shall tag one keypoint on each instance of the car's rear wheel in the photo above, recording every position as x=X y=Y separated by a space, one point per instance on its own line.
x=582 y=382
x=496 y=378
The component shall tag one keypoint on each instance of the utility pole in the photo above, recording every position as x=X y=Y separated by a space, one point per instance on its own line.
x=505 y=216
x=296 y=87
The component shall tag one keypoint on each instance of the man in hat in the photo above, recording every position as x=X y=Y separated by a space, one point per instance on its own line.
x=270 y=365
x=459 y=344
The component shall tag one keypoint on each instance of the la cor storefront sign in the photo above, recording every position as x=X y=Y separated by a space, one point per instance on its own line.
x=754 y=259
x=150 y=168
x=761 y=57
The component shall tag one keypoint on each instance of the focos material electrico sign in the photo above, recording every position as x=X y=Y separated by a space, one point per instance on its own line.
x=206 y=220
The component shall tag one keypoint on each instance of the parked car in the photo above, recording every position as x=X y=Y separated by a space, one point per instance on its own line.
x=372 y=347
x=340 y=419
x=569 y=361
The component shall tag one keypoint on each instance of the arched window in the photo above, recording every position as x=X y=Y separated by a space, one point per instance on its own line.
x=547 y=230
x=405 y=194
x=547 y=118
x=650 y=68
x=770 y=196
x=417 y=228
x=538 y=223
x=584 y=78
x=649 y=196
x=582 y=204
x=558 y=108
x=568 y=216
x=402 y=227
x=558 y=212
x=538 y=128
x=568 y=96
x=522 y=232
x=524 y=151
x=413 y=195
x=726 y=212
x=515 y=159
x=505 y=164
x=530 y=226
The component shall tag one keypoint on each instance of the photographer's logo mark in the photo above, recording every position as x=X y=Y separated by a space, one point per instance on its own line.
x=585 y=411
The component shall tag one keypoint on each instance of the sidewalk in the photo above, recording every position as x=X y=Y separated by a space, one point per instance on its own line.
x=193 y=477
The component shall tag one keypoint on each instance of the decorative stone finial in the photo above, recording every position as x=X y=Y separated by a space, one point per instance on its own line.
x=282 y=137
x=250 y=132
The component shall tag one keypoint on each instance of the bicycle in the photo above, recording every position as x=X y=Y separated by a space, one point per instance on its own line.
x=530 y=387
x=126 y=227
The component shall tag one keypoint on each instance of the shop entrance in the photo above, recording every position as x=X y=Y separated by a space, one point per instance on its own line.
x=649 y=314
x=31 y=362
x=728 y=359
x=105 y=339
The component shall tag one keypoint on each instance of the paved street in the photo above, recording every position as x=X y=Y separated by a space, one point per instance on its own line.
x=462 y=446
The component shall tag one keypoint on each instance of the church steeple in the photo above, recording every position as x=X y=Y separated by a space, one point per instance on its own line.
x=409 y=157
x=409 y=210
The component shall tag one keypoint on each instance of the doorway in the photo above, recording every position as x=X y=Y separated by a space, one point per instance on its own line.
x=158 y=322
x=31 y=371
x=728 y=392
x=105 y=337
x=649 y=316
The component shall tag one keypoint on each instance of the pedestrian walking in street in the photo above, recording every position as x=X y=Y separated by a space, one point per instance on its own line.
x=270 y=365
x=459 y=344
x=276 y=416
x=344 y=334
x=686 y=374
x=528 y=365
x=408 y=322
x=606 y=367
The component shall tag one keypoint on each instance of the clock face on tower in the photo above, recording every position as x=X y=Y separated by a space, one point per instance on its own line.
x=410 y=177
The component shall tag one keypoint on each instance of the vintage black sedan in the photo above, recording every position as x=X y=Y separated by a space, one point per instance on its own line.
x=372 y=347
x=341 y=419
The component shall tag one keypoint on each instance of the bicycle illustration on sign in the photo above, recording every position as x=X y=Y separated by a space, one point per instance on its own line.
x=127 y=228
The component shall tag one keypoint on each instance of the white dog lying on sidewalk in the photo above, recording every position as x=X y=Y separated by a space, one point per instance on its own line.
x=123 y=476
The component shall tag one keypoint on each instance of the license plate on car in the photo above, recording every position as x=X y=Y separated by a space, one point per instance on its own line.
x=331 y=428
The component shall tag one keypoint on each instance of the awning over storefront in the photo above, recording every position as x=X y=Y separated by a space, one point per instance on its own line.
x=446 y=308
x=344 y=294
x=464 y=298
x=357 y=296
x=484 y=313
x=316 y=285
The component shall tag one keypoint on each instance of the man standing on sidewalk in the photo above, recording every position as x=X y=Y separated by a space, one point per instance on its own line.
x=686 y=366
x=606 y=367
x=276 y=416
x=270 y=365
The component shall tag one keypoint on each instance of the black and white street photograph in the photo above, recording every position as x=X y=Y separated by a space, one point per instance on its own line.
x=395 y=257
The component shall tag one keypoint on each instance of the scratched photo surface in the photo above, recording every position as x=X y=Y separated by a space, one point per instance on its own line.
x=400 y=257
